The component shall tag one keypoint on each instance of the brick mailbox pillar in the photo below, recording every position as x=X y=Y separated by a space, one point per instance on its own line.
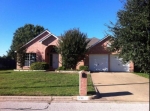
x=82 y=83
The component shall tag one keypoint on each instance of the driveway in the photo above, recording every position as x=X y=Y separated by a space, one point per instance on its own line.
x=121 y=86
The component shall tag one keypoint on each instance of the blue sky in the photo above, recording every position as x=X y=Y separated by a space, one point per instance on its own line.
x=90 y=16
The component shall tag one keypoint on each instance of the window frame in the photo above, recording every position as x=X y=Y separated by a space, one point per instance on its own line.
x=29 y=59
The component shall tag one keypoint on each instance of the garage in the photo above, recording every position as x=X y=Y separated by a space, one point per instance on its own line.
x=116 y=64
x=104 y=63
x=98 y=62
x=102 y=60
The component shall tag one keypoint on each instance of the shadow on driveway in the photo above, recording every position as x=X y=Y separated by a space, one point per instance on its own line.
x=110 y=94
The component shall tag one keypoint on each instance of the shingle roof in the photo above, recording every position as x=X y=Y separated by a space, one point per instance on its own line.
x=92 y=42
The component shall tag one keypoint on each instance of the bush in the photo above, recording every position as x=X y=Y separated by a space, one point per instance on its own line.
x=85 y=68
x=39 y=66
x=61 y=68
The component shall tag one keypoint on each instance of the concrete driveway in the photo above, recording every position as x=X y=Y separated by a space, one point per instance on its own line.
x=121 y=86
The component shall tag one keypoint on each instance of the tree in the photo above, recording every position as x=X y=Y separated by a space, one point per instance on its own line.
x=23 y=35
x=72 y=46
x=21 y=57
x=131 y=33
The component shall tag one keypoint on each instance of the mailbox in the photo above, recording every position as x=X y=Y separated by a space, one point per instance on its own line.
x=84 y=75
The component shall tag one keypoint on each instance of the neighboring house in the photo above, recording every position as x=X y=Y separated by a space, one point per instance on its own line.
x=98 y=58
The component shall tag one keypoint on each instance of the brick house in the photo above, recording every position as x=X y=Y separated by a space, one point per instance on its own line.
x=41 y=48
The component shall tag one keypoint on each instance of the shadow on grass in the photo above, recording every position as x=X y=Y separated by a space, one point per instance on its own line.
x=25 y=87
x=1 y=72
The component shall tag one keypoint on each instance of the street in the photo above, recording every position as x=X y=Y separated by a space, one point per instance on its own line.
x=74 y=106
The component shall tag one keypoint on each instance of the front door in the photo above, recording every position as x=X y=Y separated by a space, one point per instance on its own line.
x=54 y=60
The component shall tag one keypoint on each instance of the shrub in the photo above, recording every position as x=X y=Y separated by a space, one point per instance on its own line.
x=61 y=68
x=39 y=66
x=85 y=68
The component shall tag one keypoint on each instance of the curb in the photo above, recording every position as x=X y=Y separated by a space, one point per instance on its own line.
x=42 y=98
x=25 y=98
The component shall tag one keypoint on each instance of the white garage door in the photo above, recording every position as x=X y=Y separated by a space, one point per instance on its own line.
x=98 y=62
x=117 y=65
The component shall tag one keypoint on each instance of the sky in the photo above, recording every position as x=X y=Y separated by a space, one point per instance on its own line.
x=58 y=16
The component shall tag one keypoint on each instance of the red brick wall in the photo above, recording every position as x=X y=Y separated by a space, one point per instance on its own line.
x=101 y=48
x=39 y=48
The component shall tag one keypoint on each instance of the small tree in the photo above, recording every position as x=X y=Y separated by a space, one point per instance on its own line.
x=21 y=57
x=72 y=46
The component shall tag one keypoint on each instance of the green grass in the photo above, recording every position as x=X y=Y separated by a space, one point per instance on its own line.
x=40 y=84
x=143 y=74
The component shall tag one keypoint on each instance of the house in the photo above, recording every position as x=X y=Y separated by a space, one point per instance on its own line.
x=98 y=58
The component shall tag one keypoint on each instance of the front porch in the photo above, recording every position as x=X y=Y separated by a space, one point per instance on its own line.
x=52 y=57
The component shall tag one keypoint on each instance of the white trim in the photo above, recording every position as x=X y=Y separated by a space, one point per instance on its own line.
x=47 y=36
x=29 y=59
x=39 y=36
x=41 y=40
x=35 y=38
x=99 y=42
x=52 y=34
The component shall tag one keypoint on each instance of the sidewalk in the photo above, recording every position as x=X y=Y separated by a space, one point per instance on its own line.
x=36 y=98
x=50 y=98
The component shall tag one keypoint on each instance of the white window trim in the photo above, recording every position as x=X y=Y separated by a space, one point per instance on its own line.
x=29 y=59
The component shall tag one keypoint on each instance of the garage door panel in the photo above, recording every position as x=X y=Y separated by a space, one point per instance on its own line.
x=117 y=65
x=98 y=62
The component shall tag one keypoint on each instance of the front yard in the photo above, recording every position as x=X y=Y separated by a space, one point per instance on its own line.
x=40 y=84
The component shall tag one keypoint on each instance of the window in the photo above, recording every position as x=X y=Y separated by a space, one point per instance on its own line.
x=108 y=44
x=30 y=58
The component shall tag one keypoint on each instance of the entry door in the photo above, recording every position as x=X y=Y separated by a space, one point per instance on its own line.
x=54 y=60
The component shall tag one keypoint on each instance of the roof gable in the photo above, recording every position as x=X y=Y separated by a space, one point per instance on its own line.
x=107 y=37
x=46 y=34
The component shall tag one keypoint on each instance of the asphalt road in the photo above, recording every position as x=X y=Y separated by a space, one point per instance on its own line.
x=74 y=106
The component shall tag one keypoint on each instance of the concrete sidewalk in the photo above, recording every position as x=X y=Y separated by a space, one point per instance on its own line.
x=49 y=98
x=121 y=87
x=37 y=98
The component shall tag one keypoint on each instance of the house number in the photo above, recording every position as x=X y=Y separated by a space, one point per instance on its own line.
x=82 y=98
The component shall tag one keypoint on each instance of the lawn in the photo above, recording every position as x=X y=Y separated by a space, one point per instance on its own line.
x=40 y=84
x=143 y=74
